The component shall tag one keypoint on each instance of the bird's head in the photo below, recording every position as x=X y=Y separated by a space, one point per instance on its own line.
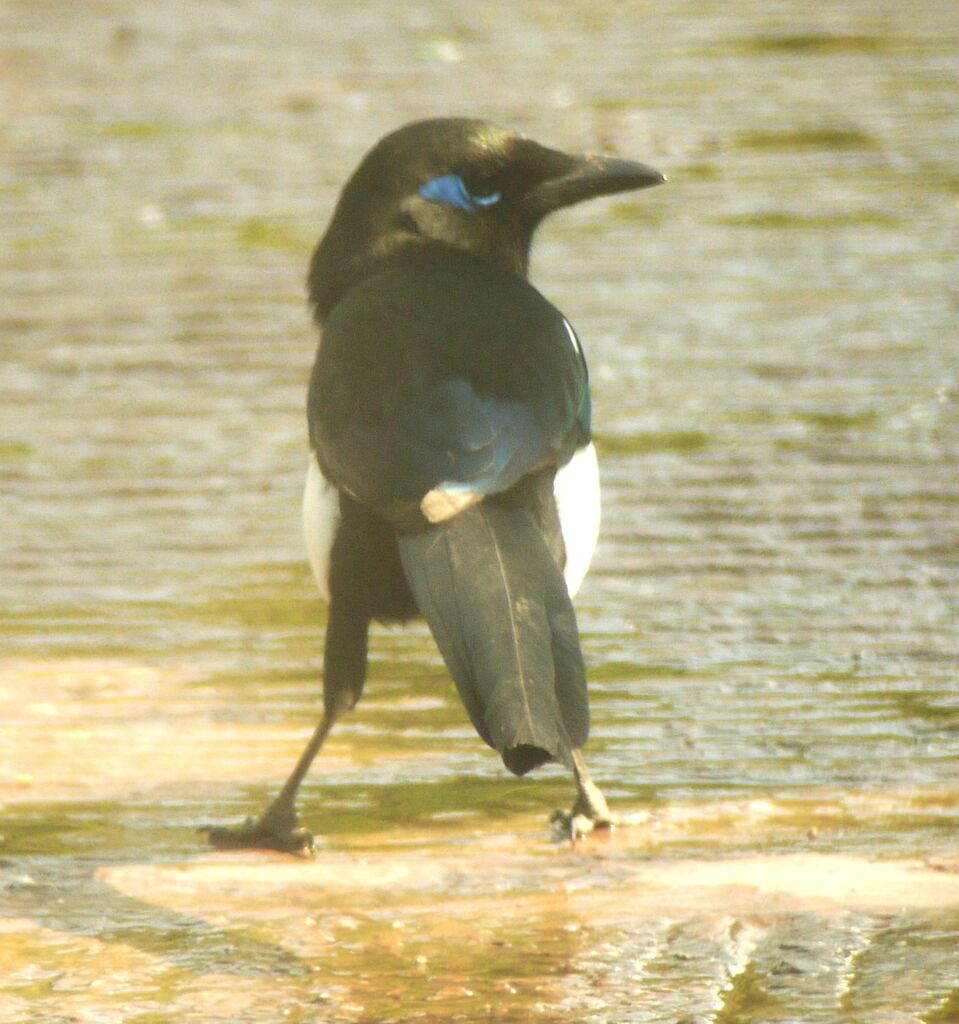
x=457 y=182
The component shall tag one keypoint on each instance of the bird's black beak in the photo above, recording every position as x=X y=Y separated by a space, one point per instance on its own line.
x=574 y=179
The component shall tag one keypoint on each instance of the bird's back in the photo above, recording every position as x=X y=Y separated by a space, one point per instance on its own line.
x=439 y=367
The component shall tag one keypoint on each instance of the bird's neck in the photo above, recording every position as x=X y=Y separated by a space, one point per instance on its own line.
x=334 y=267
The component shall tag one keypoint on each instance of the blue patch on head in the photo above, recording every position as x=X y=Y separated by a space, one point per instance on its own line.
x=451 y=189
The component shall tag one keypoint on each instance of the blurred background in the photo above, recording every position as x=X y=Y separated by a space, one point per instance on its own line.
x=772 y=613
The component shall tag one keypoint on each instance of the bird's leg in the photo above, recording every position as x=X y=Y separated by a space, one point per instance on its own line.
x=344 y=670
x=590 y=811
x=278 y=828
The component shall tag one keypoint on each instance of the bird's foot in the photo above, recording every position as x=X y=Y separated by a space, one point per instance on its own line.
x=578 y=823
x=278 y=829
x=567 y=825
x=586 y=816
x=590 y=813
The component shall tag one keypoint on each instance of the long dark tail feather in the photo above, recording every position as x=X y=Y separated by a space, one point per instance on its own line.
x=498 y=607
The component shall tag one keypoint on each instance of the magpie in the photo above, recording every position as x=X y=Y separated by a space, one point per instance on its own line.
x=452 y=475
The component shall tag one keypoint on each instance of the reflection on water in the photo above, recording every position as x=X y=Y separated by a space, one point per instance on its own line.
x=771 y=620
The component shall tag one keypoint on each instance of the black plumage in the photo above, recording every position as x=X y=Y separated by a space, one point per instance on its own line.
x=499 y=609
x=413 y=385
x=446 y=396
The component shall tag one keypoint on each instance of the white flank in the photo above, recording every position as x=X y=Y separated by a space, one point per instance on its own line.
x=576 y=490
x=439 y=505
x=572 y=335
x=321 y=516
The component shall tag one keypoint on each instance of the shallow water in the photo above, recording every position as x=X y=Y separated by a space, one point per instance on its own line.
x=770 y=622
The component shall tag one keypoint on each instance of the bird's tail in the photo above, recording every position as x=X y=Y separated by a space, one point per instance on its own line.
x=499 y=609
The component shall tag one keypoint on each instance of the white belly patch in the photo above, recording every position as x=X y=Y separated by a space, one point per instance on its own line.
x=321 y=516
x=576 y=490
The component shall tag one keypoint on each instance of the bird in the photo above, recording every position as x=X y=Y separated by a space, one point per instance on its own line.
x=452 y=474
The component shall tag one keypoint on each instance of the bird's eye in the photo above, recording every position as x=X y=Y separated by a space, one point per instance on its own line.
x=486 y=199
x=451 y=189
x=482 y=188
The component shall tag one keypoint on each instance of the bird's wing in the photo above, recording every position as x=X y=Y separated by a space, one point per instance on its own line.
x=448 y=439
x=450 y=414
